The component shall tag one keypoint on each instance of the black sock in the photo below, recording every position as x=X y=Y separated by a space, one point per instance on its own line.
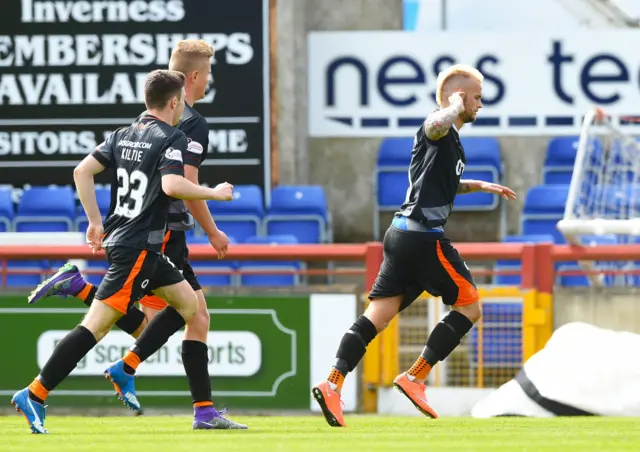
x=445 y=337
x=131 y=321
x=430 y=355
x=158 y=332
x=92 y=293
x=66 y=356
x=195 y=359
x=35 y=398
x=354 y=345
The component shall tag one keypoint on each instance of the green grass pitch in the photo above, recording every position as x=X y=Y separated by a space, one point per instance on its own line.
x=310 y=433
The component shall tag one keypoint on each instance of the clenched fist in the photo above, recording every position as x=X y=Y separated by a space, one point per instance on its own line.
x=224 y=191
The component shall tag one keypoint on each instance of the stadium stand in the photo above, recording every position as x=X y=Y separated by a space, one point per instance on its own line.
x=301 y=211
x=46 y=209
x=299 y=214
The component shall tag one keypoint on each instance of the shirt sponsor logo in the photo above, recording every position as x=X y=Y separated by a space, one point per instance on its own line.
x=194 y=147
x=173 y=154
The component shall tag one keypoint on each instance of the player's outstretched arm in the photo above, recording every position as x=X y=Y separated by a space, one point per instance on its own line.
x=439 y=122
x=178 y=187
x=471 y=186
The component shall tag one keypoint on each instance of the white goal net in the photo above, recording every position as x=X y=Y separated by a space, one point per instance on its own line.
x=603 y=206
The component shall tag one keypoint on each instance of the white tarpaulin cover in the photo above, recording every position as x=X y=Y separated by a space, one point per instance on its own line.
x=582 y=368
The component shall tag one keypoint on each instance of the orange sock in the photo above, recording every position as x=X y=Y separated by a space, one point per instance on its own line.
x=38 y=390
x=84 y=293
x=200 y=404
x=420 y=369
x=336 y=378
x=132 y=360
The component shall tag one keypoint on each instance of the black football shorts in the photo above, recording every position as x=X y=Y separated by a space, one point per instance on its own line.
x=132 y=274
x=176 y=250
x=415 y=262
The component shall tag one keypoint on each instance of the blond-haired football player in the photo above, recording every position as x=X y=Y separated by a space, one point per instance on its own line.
x=417 y=255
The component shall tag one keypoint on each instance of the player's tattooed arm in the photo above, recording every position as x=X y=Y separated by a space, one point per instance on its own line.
x=471 y=186
x=463 y=188
x=439 y=122
x=468 y=186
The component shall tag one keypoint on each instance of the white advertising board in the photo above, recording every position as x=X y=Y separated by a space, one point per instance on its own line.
x=231 y=353
x=382 y=83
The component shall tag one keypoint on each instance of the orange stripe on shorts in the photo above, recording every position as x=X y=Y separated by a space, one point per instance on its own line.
x=153 y=302
x=120 y=300
x=166 y=240
x=467 y=294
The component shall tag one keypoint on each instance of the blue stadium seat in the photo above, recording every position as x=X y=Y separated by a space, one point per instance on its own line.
x=6 y=210
x=390 y=179
x=559 y=161
x=483 y=163
x=264 y=280
x=301 y=211
x=46 y=209
x=103 y=196
x=501 y=335
x=543 y=207
x=221 y=279
x=241 y=217
x=501 y=264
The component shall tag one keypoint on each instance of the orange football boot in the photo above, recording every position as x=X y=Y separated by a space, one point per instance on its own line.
x=330 y=403
x=416 y=393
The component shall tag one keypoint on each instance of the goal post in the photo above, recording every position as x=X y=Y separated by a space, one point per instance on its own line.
x=604 y=194
x=603 y=203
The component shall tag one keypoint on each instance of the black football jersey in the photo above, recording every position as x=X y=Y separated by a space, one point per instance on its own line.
x=196 y=129
x=138 y=156
x=434 y=176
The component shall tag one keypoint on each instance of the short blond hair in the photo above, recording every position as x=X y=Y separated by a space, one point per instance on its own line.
x=188 y=55
x=462 y=70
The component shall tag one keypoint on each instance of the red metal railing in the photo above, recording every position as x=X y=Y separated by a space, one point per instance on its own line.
x=537 y=269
